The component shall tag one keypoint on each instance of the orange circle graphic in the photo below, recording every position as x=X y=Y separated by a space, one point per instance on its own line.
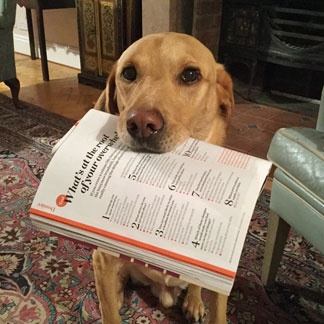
x=61 y=200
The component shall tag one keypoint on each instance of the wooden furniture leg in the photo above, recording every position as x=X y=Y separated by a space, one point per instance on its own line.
x=42 y=41
x=14 y=86
x=277 y=235
x=31 y=34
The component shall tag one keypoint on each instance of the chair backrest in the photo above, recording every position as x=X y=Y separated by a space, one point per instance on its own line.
x=320 y=117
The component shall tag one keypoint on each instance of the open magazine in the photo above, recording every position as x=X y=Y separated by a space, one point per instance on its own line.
x=185 y=212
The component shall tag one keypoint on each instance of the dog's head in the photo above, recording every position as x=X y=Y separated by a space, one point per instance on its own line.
x=165 y=88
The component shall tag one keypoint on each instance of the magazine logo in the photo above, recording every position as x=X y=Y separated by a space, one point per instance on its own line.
x=62 y=200
x=44 y=206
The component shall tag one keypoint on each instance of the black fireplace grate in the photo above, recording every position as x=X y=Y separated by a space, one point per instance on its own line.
x=281 y=40
x=294 y=27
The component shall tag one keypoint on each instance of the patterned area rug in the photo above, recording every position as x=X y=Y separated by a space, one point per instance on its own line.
x=44 y=279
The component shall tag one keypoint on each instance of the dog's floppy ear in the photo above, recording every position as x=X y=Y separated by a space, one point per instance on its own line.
x=107 y=100
x=224 y=88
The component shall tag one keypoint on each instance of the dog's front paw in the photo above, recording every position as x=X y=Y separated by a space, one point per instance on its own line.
x=193 y=307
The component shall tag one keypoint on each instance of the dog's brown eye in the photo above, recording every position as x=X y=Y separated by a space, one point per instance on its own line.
x=129 y=73
x=190 y=75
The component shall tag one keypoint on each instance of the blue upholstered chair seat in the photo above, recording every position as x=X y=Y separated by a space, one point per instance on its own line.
x=299 y=153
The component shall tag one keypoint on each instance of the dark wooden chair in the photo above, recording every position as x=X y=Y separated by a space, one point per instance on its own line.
x=39 y=6
x=7 y=55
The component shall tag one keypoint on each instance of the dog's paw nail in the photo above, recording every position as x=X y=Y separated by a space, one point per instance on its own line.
x=202 y=312
x=193 y=308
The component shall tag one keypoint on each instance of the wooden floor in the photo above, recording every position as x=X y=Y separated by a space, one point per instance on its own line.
x=62 y=95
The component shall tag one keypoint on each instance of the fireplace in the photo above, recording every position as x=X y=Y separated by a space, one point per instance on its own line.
x=279 y=42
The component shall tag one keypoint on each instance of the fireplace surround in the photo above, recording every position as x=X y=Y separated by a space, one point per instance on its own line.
x=285 y=33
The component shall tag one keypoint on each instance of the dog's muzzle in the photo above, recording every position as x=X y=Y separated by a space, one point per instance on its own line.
x=148 y=130
x=144 y=124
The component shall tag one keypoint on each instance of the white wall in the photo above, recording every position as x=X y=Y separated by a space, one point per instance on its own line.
x=61 y=30
x=61 y=33
x=155 y=16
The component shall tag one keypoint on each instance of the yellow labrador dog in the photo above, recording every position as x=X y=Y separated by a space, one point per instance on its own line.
x=165 y=88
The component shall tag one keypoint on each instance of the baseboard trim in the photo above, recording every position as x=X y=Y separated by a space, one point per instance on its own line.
x=21 y=44
x=57 y=53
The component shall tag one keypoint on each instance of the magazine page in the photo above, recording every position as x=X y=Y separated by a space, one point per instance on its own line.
x=193 y=274
x=193 y=204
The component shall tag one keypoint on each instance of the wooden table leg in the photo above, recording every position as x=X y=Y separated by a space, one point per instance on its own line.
x=30 y=34
x=42 y=41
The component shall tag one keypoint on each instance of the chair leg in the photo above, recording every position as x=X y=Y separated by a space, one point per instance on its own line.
x=277 y=235
x=31 y=34
x=14 y=86
x=42 y=41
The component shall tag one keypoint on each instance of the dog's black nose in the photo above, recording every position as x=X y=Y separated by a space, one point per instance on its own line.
x=143 y=123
